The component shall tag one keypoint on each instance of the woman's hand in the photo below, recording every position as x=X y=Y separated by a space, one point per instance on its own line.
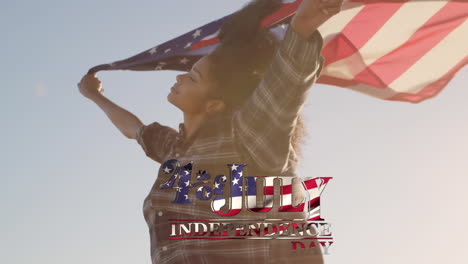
x=313 y=13
x=90 y=86
x=319 y=8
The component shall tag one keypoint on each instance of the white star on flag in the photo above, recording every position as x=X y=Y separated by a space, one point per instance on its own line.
x=160 y=65
x=234 y=167
x=184 y=60
x=153 y=50
x=235 y=181
x=167 y=170
x=196 y=33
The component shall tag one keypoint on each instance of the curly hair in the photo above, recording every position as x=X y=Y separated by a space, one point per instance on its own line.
x=243 y=56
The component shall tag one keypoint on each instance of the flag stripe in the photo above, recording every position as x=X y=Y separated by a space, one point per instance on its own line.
x=391 y=36
x=336 y=23
x=433 y=88
x=434 y=64
x=357 y=32
x=425 y=38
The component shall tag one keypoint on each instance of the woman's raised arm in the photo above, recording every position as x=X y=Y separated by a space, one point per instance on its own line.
x=264 y=125
x=126 y=122
x=155 y=139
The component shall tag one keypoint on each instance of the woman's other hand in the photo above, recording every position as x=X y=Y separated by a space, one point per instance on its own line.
x=313 y=13
x=90 y=86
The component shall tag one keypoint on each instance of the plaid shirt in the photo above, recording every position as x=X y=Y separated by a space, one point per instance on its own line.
x=257 y=134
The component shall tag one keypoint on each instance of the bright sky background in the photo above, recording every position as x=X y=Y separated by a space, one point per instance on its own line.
x=73 y=187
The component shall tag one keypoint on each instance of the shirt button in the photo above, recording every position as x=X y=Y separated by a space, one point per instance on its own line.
x=160 y=213
x=164 y=248
x=177 y=155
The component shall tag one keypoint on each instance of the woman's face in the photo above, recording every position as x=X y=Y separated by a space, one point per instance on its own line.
x=191 y=93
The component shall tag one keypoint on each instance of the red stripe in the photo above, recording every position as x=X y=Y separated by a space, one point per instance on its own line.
x=432 y=89
x=389 y=67
x=429 y=91
x=204 y=43
x=230 y=213
x=310 y=184
x=358 y=31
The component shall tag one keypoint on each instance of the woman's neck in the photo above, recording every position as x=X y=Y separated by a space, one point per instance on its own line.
x=192 y=123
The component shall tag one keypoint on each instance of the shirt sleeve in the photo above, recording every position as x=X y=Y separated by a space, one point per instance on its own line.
x=156 y=140
x=264 y=124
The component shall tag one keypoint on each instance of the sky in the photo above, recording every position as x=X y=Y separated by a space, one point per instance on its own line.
x=73 y=186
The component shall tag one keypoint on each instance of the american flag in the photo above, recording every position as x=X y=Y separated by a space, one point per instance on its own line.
x=396 y=50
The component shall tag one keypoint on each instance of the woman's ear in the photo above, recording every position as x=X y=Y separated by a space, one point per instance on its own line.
x=214 y=105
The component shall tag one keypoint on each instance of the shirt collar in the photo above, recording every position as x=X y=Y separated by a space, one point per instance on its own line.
x=181 y=130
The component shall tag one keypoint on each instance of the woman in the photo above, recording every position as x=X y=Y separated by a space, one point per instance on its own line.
x=241 y=105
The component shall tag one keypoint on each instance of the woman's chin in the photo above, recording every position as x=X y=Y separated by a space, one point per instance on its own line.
x=169 y=97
